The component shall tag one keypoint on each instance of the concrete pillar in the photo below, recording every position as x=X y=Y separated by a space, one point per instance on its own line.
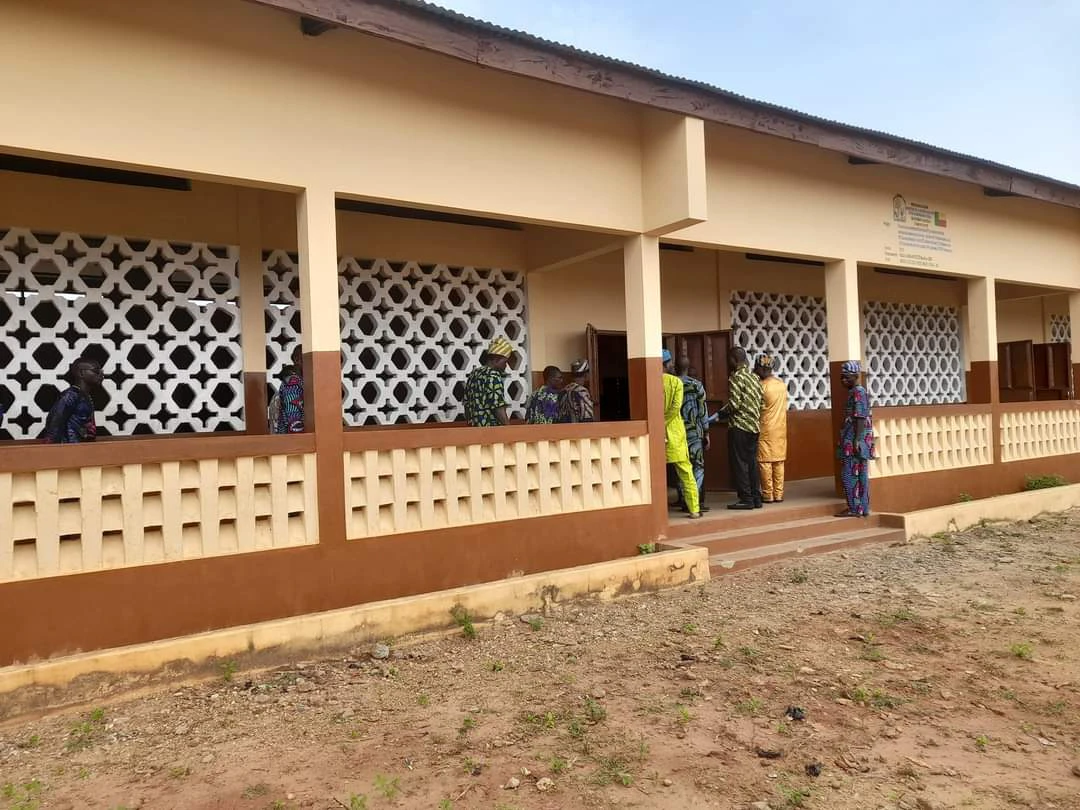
x=252 y=311
x=845 y=334
x=316 y=220
x=673 y=182
x=982 y=382
x=1074 y=338
x=641 y=272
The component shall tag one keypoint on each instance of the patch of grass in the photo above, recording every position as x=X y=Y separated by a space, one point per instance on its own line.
x=179 y=772
x=1022 y=650
x=228 y=670
x=750 y=654
x=689 y=628
x=464 y=621
x=576 y=730
x=594 y=712
x=793 y=796
x=799 y=576
x=883 y=700
x=981 y=742
x=683 y=716
x=783 y=729
x=446 y=804
x=33 y=741
x=496 y=666
x=423 y=700
x=612 y=770
x=84 y=773
x=646 y=548
x=858 y=694
x=1020 y=611
x=901 y=616
x=26 y=796
x=467 y=724
x=690 y=693
x=86 y=733
x=558 y=765
x=471 y=767
x=536 y=623
x=357 y=801
x=718 y=643
x=751 y=707
x=1056 y=707
x=255 y=791
x=1033 y=482
x=872 y=654
x=387 y=786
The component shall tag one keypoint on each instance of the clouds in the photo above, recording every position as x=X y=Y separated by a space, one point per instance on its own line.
x=996 y=79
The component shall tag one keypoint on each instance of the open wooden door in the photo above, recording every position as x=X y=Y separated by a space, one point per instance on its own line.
x=609 y=373
x=1016 y=371
x=708 y=355
x=592 y=356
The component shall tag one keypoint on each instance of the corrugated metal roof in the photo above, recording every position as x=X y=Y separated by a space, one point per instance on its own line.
x=570 y=50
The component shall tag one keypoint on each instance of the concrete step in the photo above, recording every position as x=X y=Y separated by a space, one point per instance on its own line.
x=721 y=519
x=727 y=562
x=737 y=539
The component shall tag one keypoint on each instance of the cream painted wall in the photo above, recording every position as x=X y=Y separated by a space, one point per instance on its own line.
x=1021 y=319
x=773 y=195
x=224 y=88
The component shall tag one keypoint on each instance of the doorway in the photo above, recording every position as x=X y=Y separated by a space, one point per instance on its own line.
x=610 y=375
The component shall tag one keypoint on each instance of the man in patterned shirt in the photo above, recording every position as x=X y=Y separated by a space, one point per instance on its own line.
x=543 y=406
x=744 y=422
x=695 y=416
x=575 y=401
x=71 y=418
x=485 y=396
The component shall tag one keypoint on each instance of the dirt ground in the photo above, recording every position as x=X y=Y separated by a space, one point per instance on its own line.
x=938 y=674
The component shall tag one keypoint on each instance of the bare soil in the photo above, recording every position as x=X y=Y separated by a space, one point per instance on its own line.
x=941 y=674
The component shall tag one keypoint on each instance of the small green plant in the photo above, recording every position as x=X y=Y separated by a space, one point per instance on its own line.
x=26 y=796
x=536 y=623
x=84 y=773
x=179 y=772
x=964 y=497
x=750 y=654
x=872 y=654
x=899 y=616
x=228 y=670
x=646 y=548
x=85 y=734
x=613 y=769
x=357 y=801
x=497 y=666
x=718 y=643
x=446 y=804
x=467 y=724
x=464 y=621
x=858 y=695
x=33 y=741
x=278 y=804
x=577 y=731
x=783 y=729
x=423 y=699
x=751 y=706
x=559 y=765
x=255 y=791
x=883 y=700
x=471 y=767
x=1056 y=707
x=981 y=742
x=689 y=628
x=1033 y=482
x=793 y=796
x=683 y=716
x=799 y=576
x=594 y=712
x=387 y=786
x=1022 y=650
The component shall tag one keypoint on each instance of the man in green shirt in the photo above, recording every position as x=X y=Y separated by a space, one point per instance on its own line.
x=485 y=394
x=744 y=421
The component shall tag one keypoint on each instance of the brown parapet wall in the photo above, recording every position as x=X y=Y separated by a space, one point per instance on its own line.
x=94 y=611
x=908 y=493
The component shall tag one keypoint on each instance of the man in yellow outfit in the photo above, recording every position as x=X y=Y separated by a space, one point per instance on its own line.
x=678 y=451
x=772 y=443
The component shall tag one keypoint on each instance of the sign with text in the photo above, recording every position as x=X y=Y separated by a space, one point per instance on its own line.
x=920 y=234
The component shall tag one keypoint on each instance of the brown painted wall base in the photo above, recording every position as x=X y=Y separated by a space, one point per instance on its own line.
x=647 y=405
x=811 y=445
x=65 y=614
x=906 y=493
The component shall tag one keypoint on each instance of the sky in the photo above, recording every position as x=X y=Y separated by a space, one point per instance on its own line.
x=997 y=79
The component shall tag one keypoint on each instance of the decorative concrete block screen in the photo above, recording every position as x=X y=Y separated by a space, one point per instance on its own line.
x=410 y=333
x=918 y=444
x=395 y=491
x=793 y=329
x=1038 y=434
x=162 y=316
x=1060 y=329
x=94 y=518
x=914 y=354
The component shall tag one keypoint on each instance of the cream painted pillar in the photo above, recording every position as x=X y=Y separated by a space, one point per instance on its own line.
x=252 y=306
x=1074 y=339
x=673 y=182
x=844 y=318
x=982 y=382
x=316 y=221
x=641 y=275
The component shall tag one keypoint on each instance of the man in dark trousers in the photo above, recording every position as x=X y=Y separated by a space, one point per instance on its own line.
x=744 y=421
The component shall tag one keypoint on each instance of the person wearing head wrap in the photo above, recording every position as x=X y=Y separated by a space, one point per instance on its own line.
x=677 y=450
x=575 y=401
x=772 y=440
x=485 y=395
x=695 y=416
x=856 y=446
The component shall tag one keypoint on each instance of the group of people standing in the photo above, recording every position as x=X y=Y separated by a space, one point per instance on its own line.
x=756 y=415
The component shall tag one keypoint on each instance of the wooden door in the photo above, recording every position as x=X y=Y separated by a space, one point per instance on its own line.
x=1016 y=371
x=592 y=354
x=708 y=355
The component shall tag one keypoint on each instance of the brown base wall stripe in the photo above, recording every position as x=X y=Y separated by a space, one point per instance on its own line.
x=84 y=612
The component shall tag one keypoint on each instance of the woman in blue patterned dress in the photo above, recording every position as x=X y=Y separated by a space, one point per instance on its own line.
x=856 y=447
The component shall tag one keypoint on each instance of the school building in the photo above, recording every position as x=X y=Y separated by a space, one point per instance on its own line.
x=190 y=190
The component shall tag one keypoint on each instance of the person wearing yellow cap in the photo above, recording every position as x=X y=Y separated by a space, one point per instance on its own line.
x=772 y=440
x=485 y=395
